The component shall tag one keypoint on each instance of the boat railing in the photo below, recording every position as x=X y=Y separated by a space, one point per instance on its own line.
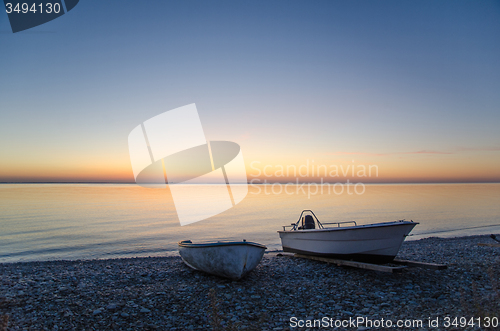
x=338 y=223
x=295 y=226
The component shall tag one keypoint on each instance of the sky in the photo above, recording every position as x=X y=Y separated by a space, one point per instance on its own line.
x=410 y=88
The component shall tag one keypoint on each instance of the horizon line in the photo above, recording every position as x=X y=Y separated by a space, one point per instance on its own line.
x=270 y=183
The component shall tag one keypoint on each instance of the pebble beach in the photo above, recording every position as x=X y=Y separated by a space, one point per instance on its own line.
x=282 y=293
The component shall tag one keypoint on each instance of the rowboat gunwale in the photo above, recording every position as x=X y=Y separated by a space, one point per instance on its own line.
x=189 y=244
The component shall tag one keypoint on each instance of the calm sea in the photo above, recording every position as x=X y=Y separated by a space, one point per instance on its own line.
x=89 y=221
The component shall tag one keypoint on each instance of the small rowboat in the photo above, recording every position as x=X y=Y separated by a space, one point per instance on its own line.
x=223 y=258
x=374 y=243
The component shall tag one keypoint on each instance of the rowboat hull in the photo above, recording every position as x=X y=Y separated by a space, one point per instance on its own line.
x=375 y=243
x=231 y=260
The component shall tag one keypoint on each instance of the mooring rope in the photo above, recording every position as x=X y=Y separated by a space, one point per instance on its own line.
x=472 y=227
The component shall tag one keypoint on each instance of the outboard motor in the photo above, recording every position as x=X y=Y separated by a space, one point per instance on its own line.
x=309 y=222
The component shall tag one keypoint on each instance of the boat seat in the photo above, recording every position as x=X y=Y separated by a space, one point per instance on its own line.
x=309 y=222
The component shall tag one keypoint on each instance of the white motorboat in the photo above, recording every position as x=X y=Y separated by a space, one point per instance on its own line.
x=226 y=259
x=375 y=243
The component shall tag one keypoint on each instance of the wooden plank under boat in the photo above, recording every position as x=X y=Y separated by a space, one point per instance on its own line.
x=229 y=259
x=400 y=264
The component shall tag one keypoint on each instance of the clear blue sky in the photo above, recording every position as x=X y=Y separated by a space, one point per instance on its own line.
x=410 y=85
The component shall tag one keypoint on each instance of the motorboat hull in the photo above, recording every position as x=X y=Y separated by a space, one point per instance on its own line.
x=375 y=243
x=231 y=260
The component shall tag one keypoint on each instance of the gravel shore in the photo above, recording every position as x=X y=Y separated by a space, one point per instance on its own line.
x=161 y=293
